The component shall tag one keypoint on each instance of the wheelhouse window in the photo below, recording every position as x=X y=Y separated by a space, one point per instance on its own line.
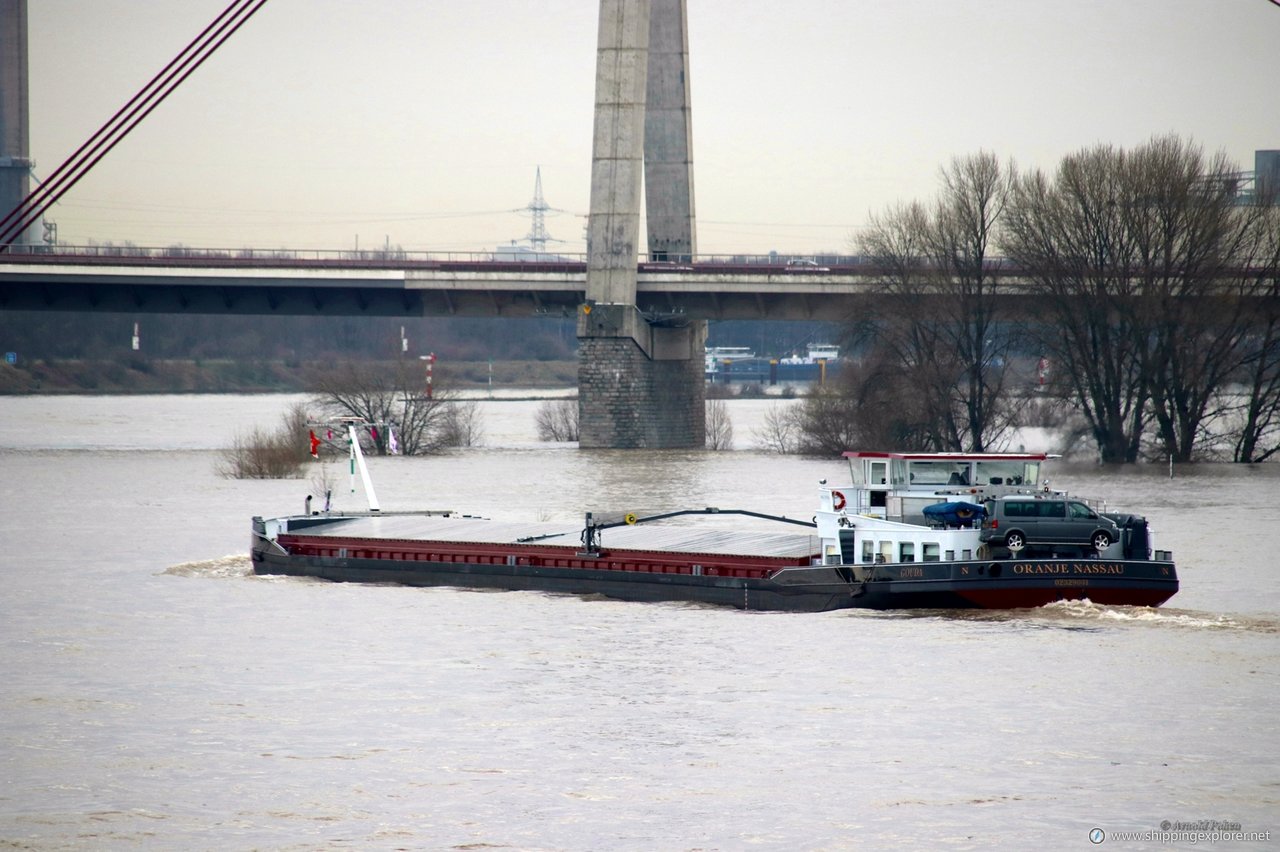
x=1007 y=473
x=939 y=473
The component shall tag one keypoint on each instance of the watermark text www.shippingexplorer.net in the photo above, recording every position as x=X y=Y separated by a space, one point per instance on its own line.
x=1180 y=831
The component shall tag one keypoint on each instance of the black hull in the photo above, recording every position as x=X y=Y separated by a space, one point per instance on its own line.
x=651 y=588
x=999 y=584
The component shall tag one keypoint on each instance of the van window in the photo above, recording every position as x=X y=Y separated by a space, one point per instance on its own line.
x=1080 y=510
x=1034 y=509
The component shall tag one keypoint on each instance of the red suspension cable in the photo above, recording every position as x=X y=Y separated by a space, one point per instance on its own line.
x=126 y=119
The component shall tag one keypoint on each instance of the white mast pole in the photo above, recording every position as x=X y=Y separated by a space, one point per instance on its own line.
x=357 y=458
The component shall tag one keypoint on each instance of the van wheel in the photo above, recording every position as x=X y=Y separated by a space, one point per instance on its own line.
x=1015 y=540
x=1101 y=540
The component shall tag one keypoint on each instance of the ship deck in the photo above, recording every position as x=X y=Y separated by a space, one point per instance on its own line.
x=742 y=539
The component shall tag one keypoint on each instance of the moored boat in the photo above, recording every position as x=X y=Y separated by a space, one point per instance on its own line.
x=906 y=532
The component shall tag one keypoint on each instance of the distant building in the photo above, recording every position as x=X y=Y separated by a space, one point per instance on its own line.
x=1266 y=174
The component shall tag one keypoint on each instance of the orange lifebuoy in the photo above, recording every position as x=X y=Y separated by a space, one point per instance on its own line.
x=837 y=500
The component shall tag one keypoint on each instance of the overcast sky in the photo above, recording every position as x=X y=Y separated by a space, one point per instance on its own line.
x=421 y=122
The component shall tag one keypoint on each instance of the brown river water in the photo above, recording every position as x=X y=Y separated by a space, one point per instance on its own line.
x=157 y=695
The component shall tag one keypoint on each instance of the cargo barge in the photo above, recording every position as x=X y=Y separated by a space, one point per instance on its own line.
x=906 y=532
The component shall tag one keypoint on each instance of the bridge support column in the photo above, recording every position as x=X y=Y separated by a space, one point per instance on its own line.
x=15 y=162
x=640 y=379
x=640 y=385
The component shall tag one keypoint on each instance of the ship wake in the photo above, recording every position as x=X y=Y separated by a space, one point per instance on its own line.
x=224 y=568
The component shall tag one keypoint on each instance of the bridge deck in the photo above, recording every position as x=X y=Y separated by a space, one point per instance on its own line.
x=292 y=285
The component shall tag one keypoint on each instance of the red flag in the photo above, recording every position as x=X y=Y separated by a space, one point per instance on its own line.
x=315 y=444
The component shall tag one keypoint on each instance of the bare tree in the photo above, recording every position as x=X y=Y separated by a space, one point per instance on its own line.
x=269 y=455
x=873 y=404
x=1197 y=250
x=1068 y=237
x=463 y=425
x=941 y=322
x=828 y=422
x=1149 y=269
x=386 y=398
x=975 y=191
x=907 y=329
x=719 y=426
x=780 y=431
x=557 y=420
x=1258 y=436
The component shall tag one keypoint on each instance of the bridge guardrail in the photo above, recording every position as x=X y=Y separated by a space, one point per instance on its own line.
x=793 y=265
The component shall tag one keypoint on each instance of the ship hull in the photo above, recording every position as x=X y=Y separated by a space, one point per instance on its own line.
x=750 y=584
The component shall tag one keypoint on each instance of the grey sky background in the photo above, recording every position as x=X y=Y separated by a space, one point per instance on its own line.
x=420 y=122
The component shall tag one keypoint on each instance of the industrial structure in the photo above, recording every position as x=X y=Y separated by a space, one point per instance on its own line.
x=538 y=208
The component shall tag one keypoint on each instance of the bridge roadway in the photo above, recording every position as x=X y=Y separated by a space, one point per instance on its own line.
x=289 y=283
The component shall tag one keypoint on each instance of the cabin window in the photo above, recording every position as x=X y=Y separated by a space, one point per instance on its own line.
x=939 y=473
x=868 y=550
x=907 y=551
x=833 y=555
x=932 y=551
x=886 y=552
x=967 y=554
x=951 y=556
x=1006 y=473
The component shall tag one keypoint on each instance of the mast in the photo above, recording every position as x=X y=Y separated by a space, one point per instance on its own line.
x=357 y=460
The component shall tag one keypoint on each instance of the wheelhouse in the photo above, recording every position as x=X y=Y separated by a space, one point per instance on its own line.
x=899 y=485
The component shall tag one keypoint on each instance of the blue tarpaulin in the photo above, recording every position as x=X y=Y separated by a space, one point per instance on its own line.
x=955 y=514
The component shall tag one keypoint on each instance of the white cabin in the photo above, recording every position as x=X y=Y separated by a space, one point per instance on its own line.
x=879 y=517
x=814 y=353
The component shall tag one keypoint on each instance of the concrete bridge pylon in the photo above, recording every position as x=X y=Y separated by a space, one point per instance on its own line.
x=15 y=157
x=640 y=378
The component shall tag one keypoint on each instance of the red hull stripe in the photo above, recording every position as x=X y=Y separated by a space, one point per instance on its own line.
x=491 y=553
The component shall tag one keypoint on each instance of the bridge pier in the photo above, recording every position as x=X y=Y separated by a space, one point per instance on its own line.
x=640 y=385
x=15 y=157
x=640 y=379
